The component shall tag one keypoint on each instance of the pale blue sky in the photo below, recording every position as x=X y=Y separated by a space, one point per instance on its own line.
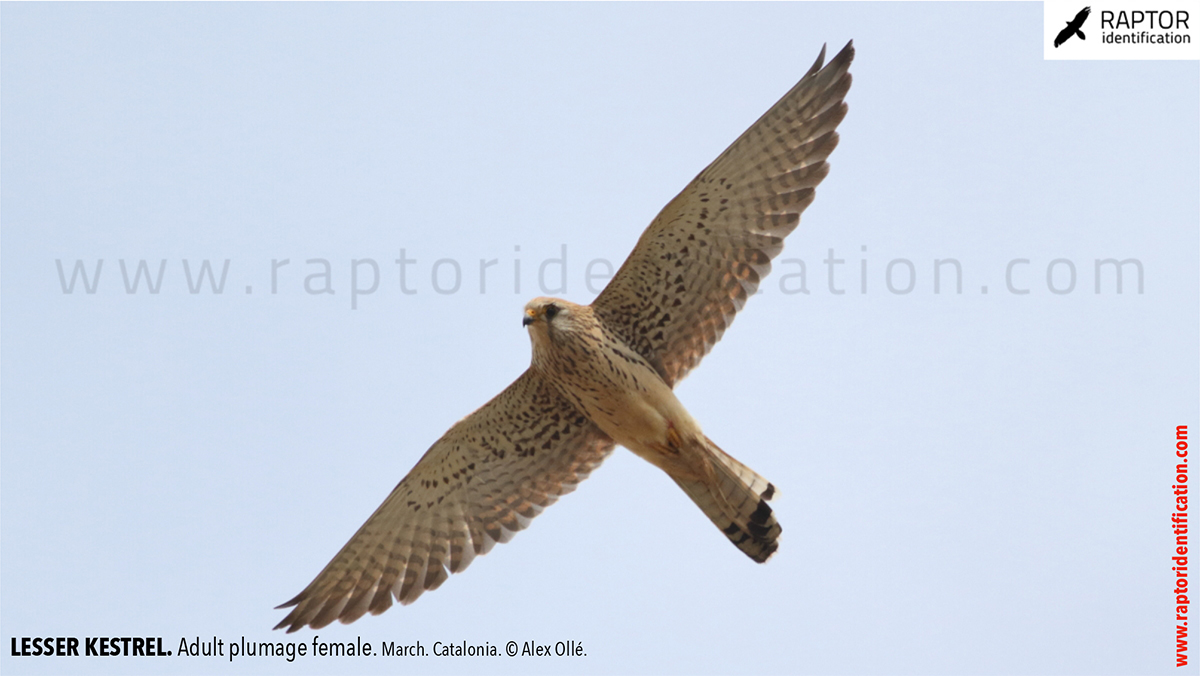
x=971 y=483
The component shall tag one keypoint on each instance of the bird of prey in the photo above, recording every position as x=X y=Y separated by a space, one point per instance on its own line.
x=603 y=374
x=1073 y=27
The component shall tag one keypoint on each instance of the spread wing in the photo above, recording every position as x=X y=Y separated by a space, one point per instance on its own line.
x=481 y=482
x=1081 y=17
x=1064 y=35
x=705 y=253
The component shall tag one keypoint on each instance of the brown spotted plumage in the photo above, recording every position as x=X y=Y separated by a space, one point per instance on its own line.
x=479 y=484
x=603 y=375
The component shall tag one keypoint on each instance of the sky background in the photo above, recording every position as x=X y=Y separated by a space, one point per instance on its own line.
x=971 y=482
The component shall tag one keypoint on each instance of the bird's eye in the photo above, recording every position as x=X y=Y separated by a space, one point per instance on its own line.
x=551 y=312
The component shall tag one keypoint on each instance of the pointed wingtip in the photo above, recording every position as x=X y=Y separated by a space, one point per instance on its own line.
x=846 y=54
x=818 y=63
x=843 y=57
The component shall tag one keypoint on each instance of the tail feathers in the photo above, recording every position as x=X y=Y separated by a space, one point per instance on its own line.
x=735 y=498
x=753 y=480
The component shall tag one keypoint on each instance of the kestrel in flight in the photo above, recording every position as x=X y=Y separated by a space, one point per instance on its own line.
x=602 y=375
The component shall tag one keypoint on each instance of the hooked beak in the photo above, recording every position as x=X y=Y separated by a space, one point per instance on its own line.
x=529 y=318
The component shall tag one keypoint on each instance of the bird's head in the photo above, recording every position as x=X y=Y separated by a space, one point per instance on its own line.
x=553 y=318
x=545 y=311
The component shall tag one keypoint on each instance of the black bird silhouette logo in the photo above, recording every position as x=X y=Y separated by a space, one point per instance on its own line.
x=1073 y=27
